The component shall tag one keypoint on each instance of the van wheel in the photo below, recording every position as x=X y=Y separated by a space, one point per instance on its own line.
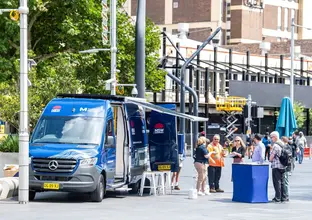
x=99 y=192
x=135 y=187
x=32 y=195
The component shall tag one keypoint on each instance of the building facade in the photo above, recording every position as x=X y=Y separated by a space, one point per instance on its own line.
x=242 y=21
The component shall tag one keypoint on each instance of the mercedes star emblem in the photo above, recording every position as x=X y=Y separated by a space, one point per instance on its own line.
x=53 y=164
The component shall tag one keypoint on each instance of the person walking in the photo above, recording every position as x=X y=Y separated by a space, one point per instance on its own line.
x=301 y=143
x=239 y=150
x=215 y=169
x=201 y=160
x=278 y=170
x=287 y=148
x=294 y=153
x=267 y=143
x=259 y=152
x=176 y=175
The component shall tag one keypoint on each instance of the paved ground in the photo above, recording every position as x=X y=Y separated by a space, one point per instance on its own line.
x=58 y=206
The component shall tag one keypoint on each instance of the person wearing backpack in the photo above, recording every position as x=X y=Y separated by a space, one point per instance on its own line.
x=278 y=169
x=288 y=150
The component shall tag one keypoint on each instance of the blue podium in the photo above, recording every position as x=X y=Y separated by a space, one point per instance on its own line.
x=250 y=182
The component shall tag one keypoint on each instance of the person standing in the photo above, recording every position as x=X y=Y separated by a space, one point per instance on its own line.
x=201 y=159
x=266 y=141
x=287 y=148
x=214 y=169
x=249 y=146
x=259 y=152
x=278 y=170
x=239 y=150
x=294 y=153
x=301 y=143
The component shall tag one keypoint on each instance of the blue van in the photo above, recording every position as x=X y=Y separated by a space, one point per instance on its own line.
x=90 y=144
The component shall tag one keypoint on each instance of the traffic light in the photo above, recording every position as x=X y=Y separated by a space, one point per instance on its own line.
x=254 y=111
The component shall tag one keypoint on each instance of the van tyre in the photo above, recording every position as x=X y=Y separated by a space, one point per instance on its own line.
x=32 y=195
x=98 y=194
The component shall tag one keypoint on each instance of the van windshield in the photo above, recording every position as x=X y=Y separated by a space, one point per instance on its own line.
x=69 y=130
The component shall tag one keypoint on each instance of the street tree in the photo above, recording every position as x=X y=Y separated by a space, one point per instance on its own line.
x=58 y=30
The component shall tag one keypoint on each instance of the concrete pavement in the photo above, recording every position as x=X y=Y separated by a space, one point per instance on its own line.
x=58 y=206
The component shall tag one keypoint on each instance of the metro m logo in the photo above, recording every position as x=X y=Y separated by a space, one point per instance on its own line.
x=83 y=109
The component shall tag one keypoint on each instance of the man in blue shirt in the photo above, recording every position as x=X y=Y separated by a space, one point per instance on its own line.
x=259 y=152
x=267 y=143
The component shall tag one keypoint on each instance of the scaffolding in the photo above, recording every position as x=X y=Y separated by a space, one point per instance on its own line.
x=230 y=106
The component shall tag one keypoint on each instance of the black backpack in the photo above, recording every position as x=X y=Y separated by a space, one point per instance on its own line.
x=285 y=157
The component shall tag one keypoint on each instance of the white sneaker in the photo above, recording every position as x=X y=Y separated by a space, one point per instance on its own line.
x=200 y=193
x=207 y=193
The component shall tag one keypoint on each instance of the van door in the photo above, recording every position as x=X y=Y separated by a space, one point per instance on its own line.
x=163 y=146
x=138 y=139
x=110 y=151
x=122 y=144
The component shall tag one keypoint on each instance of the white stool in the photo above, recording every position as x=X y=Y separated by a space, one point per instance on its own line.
x=153 y=182
x=168 y=186
x=158 y=185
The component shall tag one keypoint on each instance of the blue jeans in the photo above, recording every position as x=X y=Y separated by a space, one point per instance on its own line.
x=301 y=154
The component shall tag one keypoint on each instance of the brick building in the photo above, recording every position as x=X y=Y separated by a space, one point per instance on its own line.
x=242 y=21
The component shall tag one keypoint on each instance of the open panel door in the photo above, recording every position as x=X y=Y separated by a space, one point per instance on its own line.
x=163 y=146
x=163 y=137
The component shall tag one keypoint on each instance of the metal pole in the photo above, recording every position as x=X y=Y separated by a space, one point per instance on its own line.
x=281 y=68
x=23 y=189
x=193 y=92
x=266 y=67
x=292 y=60
x=183 y=68
x=249 y=114
x=140 y=48
x=113 y=41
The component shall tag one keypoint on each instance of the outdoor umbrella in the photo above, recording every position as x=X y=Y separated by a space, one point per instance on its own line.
x=286 y=123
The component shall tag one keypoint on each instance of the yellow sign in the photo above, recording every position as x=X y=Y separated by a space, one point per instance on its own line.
x=54 y=186
x=1 y=129
x=164 y=167
x=14 y=15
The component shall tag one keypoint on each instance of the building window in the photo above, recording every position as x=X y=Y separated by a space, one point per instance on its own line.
x=253 y=78
x=286 y=19
x=270 y=79
x=235 y=76
x=279 y=18
x=202 y=83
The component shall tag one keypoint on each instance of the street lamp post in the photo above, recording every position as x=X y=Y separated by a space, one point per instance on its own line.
x=23 y=188
x=292 y=56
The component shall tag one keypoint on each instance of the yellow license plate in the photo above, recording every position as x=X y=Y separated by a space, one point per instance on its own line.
x=164 y=167
x=55 y=186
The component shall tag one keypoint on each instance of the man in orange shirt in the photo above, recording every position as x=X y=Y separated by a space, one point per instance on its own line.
x=214 y=169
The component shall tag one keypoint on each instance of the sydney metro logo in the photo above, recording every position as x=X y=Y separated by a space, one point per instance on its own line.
x=159 y=128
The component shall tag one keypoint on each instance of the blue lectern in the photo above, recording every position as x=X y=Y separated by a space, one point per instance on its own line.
x=250 y=182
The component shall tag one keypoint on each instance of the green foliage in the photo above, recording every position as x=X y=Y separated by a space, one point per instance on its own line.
x=9 y=144
x=58 y=30
x=299 y=114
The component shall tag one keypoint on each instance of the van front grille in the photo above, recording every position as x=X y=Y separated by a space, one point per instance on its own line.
x=48 y=165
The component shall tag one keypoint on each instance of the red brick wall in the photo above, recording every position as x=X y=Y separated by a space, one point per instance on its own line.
x=192 y=11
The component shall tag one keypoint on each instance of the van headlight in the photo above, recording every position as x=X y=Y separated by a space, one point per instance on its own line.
x=88 y=162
